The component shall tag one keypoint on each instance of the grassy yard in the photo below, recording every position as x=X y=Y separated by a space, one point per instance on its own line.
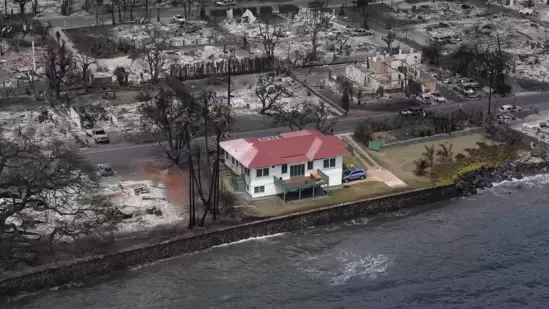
x=275 y=207
x=400 y=160
x=351 y=161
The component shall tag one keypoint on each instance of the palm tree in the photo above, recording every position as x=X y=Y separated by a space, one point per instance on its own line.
x=429 y=155
x=445 y=152
x=421 y=167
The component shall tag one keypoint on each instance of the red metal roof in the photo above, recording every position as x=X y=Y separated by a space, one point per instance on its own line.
x=287 y=148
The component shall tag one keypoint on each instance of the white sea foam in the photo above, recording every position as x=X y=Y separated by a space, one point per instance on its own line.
x=529 y=181
x=364 y=267
x=399 y=213
x=359 y=221
x=249 y=239
x=345 y=265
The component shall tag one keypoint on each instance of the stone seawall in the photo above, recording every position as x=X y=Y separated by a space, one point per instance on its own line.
x=94 y=266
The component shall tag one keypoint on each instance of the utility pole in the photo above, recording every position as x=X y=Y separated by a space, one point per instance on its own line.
x=490 y=92
x=96 y=13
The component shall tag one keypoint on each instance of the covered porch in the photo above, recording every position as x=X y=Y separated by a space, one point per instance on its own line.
x=311 y=186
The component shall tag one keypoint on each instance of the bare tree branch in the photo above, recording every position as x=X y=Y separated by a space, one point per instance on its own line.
x=269 y=89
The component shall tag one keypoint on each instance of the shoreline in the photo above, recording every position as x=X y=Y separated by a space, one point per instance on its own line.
x=79 y=270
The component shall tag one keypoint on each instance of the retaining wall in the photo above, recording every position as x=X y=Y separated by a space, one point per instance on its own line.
x=94 y=266
x=434 y=138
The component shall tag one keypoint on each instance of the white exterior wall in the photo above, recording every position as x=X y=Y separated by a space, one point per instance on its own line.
x=335 y=173
x=253 y=181
x=236 y=168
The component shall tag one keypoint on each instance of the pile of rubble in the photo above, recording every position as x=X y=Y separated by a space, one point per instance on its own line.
x=187 y=28
x=91 y=114
x=46 y=125
x=427 y=11
x=141 y=205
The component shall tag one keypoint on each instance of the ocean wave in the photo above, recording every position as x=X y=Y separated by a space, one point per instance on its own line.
x=249 y=239
x=344 y=266
x=399 y=213
x=529 y=181
x=359 y=221
x=367 y=267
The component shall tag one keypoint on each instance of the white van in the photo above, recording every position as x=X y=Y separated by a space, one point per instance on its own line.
x=508 y=108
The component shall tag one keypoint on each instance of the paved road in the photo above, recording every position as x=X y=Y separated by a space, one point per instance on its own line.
x=121 y=155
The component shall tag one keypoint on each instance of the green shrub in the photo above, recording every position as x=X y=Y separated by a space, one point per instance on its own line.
x=450 y=172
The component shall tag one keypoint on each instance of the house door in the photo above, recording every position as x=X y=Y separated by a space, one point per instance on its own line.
x=297 y=170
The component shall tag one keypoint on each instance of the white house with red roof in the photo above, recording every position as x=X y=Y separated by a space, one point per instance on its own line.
x=288 y=162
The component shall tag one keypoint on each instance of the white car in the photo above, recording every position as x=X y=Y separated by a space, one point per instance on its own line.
x=526 y=12
x=225 y=3
x=99 y=135
x=469 y=82
x=424 y=98
x=508 y=108
x=362 y=32
x=437 y=97
x=105 y=170
x=179 y=18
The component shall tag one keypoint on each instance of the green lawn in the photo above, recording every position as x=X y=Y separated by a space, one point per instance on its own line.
x=400 y=160
x=275 y=207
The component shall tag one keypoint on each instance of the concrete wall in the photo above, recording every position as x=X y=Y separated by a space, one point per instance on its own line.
x=95 y=266
x=433 y=138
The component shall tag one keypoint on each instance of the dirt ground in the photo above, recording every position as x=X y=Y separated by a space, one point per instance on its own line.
x=400 y=160
x=175 y=181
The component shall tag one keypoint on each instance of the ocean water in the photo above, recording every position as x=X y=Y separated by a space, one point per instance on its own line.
x=485 y=251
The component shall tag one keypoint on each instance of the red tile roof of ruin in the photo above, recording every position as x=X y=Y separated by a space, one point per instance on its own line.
x=289 y=148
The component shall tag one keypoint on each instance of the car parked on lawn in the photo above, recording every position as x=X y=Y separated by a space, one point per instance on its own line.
x=437 y=97
x=508 y=108
x=413 y=111
x=354 y=173
x=105 y=170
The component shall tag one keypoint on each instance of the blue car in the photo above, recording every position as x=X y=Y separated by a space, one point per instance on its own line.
x=354 y=173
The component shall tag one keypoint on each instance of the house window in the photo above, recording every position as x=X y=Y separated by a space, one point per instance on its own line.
x=297 y=170
x=329 y=163
x=262 y=172
x=227 y=155
x=284 y=168
x=247 y=188
x=247 y=171
x=260 y=189
x=233 y=161
x=310 y=165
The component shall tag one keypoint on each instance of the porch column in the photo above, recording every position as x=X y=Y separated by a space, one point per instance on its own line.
x=299 y=194
x=314 y=191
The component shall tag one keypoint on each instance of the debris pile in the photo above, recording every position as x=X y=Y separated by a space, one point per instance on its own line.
x=142 y=205
x=188 y=27
x=46 y=125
